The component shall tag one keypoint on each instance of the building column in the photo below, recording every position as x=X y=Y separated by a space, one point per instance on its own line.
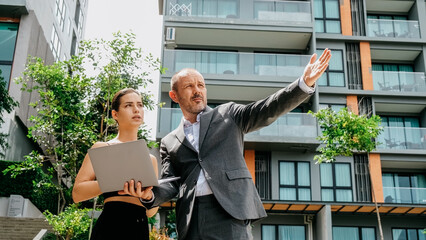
x=352 y=103
x=376 y=176
x=366 y=70
x=249 y=156
x=324 y=224
x=346 y=17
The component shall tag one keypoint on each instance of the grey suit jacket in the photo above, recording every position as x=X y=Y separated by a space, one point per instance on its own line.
x=221 y=156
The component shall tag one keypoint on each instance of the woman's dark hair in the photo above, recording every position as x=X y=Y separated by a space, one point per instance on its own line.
x=115 y=105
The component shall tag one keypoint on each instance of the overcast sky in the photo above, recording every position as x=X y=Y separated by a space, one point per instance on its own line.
x=105 y=17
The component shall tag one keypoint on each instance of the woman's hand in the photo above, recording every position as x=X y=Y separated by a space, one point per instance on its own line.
x=136 y=191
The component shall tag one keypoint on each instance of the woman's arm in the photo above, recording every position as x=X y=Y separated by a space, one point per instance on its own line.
x=151 y=212
x=85 y=185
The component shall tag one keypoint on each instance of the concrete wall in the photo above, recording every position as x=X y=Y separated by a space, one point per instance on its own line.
x=29 y=210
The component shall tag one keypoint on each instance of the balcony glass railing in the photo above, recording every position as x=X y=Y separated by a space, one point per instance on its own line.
x=404 y=195
x=272 y=11
x=393 y=28
x=235 y=63
x=399 y=81
x=289 y=125
x=402 y=138
x=298 y=125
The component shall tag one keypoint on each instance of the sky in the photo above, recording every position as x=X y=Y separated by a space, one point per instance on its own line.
x=105 y=17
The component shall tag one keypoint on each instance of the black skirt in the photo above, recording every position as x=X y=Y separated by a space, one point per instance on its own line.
x=120 y=220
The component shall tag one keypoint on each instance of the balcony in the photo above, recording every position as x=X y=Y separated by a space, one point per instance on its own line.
x=399 y=81
x=386 y=28
x=236 y=65
x=404 y=195
x=292 y=127
x=252 y=12
x=395 y=138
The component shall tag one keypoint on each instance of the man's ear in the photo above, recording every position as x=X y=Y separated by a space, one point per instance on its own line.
x=173 y=96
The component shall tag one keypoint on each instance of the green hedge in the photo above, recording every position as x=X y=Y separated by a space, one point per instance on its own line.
x=23 y=185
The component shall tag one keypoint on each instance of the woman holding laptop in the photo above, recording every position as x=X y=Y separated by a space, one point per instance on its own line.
x=123 y=216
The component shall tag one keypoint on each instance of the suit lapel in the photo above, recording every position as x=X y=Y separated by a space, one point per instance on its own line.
x=180 y=135
x=205 y=120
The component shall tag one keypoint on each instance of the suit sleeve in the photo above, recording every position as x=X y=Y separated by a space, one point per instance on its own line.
x=256 y=115
x=166 y=191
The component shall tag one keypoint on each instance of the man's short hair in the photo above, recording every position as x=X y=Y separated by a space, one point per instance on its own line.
x=182 y=73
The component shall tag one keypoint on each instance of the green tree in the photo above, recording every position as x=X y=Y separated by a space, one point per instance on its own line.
x=345 y=133
x=6 y=104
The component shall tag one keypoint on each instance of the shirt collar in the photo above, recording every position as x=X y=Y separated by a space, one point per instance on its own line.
x=187 y=123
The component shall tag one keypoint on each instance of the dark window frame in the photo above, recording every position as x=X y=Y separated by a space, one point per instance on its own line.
x=359 y=230
x=296 y=186
x=406 y=232
x=334 y=187
x=325 y=19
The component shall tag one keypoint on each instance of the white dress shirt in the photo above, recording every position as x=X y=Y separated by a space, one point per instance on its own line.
x=192 y=133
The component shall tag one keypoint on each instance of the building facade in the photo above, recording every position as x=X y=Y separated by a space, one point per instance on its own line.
x=49 y=29
x=249 y=49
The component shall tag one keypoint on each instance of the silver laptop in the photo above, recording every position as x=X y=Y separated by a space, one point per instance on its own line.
x=117 y=163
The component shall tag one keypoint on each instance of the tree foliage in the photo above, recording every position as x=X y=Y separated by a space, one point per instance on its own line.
x=6 y=104
x=344 y=133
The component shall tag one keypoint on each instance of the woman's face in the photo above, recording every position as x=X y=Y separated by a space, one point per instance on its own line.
x=130 y=111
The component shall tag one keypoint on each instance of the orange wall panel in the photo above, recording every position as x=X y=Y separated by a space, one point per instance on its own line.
x=352 y=103
x=250 y=159
x=367 y=75
x=7 y=19
x=346 y=17
x=376 y=176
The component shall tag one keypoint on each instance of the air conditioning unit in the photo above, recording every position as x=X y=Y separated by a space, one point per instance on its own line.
x=170 y=34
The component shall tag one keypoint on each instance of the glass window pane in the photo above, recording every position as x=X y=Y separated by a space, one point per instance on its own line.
x=184 y=59
x=227 y=9
x=326 y=175
x=412 y=234
x=5 y=74
x=343 y=175
x=291 y=232
x=318 y=9
x=331 y=8
x=343 y=195
x=399 y=234
x=287 y=173
x=422 y=236
x=319 y=26
x=322 y=81
x=288 y=194
x=327 y=195
x=268 y=232
x=304 y=178
x=304 y=194
x=336 y=79
x=332 y=26
x=336 y=62
x=8 y=33
x=368 y=234
x=347 y=233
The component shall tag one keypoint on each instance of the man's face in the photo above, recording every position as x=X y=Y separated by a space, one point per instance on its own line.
x=191 y=93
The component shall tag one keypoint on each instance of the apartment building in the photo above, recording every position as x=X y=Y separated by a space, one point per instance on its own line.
x=249 y=49
x=49 y=29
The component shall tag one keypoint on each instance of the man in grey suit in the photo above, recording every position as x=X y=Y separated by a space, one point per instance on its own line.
x=216 y=196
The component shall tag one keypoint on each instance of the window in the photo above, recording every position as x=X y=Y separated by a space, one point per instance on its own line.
x=401 y=132
x=354 y=233
x=262 y=174
x=404 y=188
x=55 y=44
x=336 y=183
x=8 y=32
x=396 y=77
x=333 y=76
x=408 y=234
x=60 y=13
x=327 y=16
x=283 y=232
x=334 y=107
x=279 y=64
x=388 y=26
x=295 y=181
